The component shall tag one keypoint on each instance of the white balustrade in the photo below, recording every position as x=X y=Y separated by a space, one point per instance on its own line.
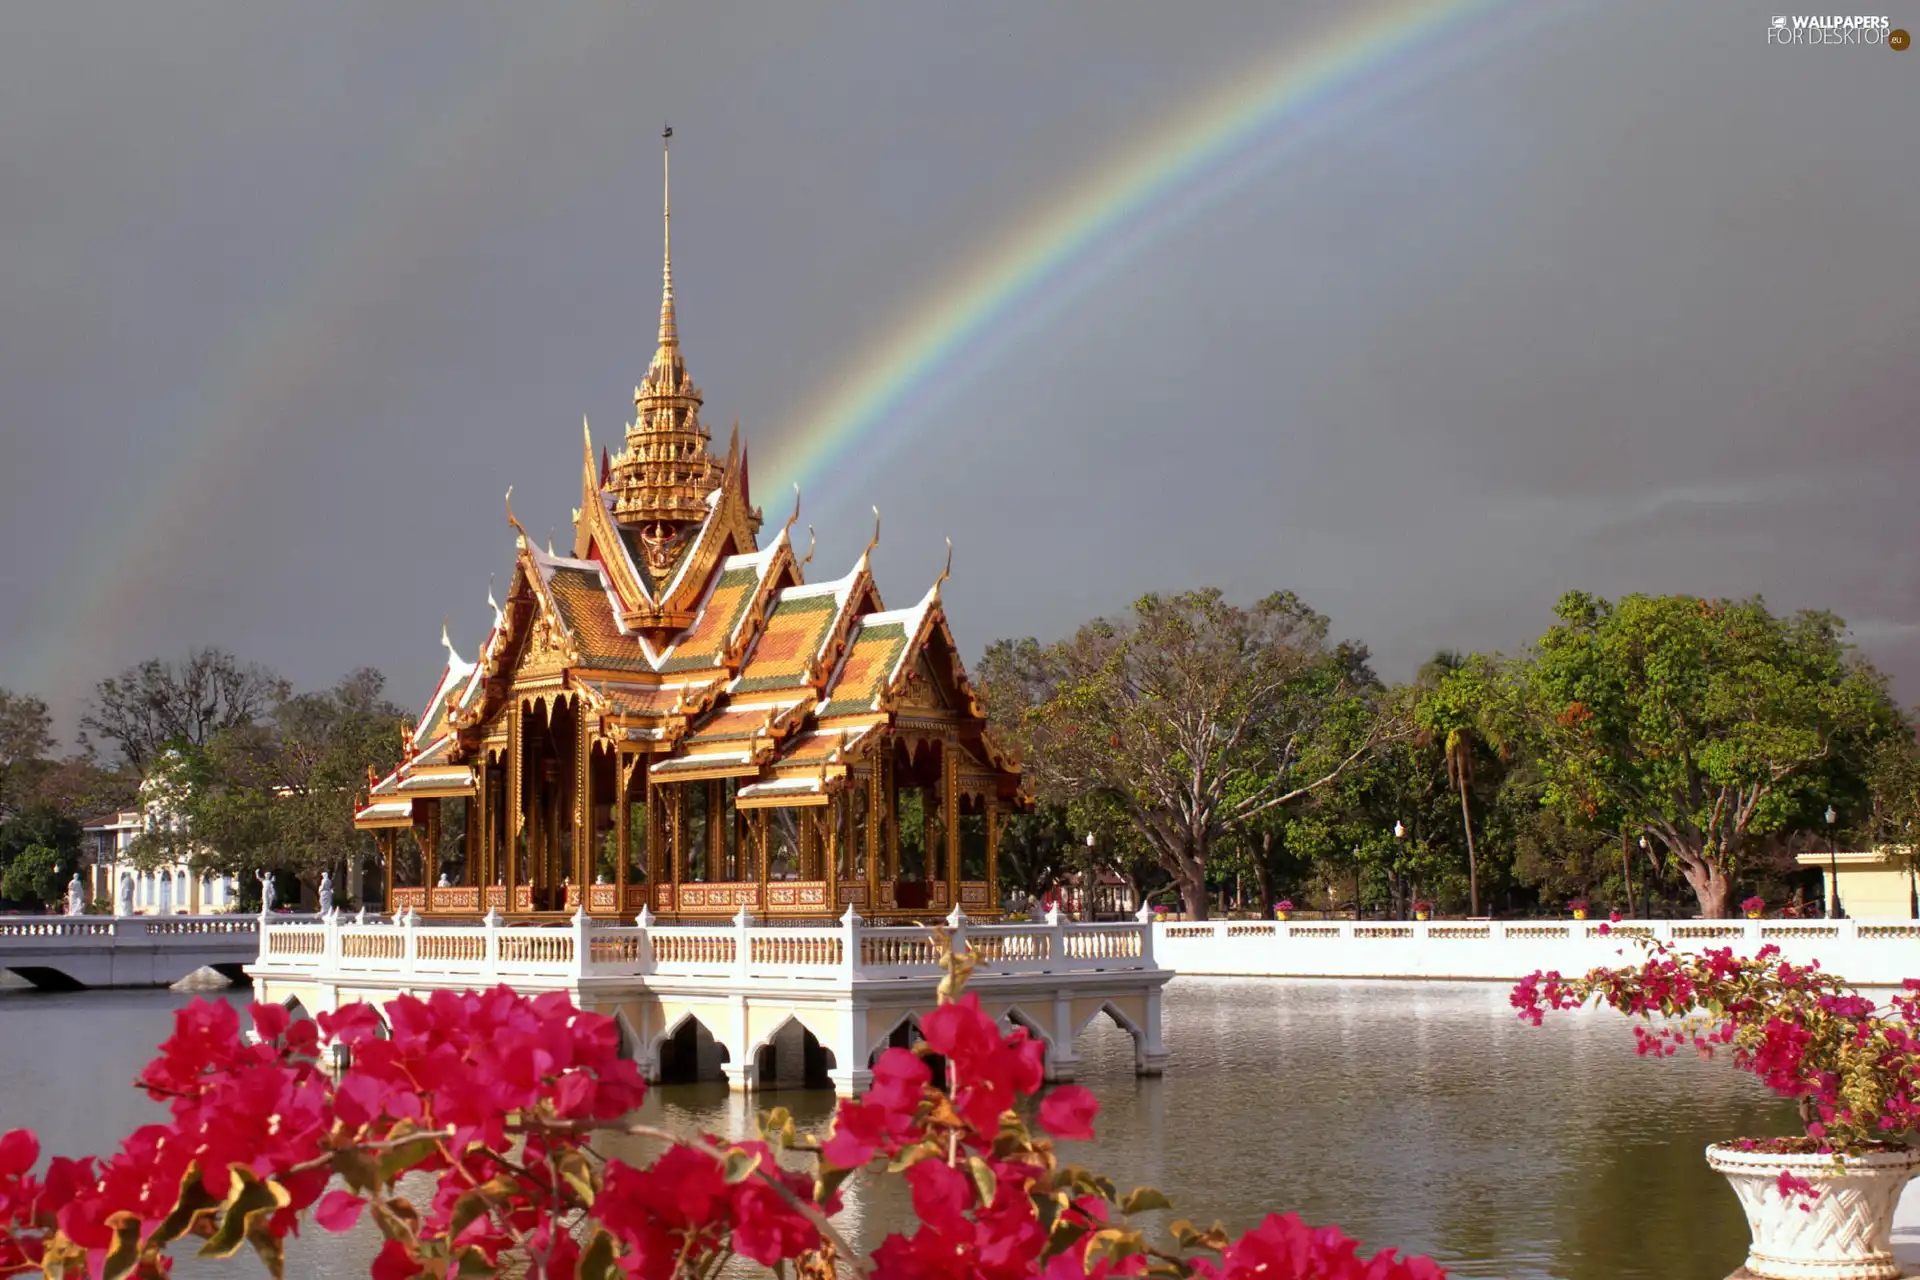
x=1866 y=952
x=848 y=950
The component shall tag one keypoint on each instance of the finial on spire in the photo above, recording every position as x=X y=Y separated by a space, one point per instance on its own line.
x=809 y=559
x=491 y=602
x=669 y=329
x=876 y=535
x=445 y=642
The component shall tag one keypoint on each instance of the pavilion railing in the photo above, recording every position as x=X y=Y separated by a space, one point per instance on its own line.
x=848 y=950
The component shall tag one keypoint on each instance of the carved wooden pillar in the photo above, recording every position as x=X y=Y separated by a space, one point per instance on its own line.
x=430 y=863
x=622 y=833
x=674 y=806
x=876 y=795
x=470 y=839
x=390 y=838
x=758 y=826
x=516 y=813
x=582 y=800
x=993 y=852
x=950 y=773
x=480 y=817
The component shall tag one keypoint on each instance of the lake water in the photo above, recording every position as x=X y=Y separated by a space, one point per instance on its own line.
x=1423 y=1116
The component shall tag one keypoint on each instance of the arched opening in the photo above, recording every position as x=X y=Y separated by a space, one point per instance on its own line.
x=690 y=1055
x=906 y=1034
x=1110 y=1041
x=1017 y=1017
x=793 y=1058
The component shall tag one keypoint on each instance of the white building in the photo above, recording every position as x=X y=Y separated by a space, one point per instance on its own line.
x=172 y=888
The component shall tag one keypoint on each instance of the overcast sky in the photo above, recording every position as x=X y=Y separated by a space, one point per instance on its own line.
x=1619 y=298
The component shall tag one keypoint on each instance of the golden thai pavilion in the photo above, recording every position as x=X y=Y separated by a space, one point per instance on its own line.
x=672 y=718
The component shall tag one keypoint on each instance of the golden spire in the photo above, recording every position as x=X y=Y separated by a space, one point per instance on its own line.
x=669 y=330
x=661 y=480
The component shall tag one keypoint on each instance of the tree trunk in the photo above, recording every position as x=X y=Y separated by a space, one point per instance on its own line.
x=1710 y=886
x=1193 y=884
x=1473 y=869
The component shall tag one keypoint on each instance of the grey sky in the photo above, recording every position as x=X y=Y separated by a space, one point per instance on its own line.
x=290 y=295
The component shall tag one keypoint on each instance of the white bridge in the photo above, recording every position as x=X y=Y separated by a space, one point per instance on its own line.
x=62 y=953
x=761 y=1004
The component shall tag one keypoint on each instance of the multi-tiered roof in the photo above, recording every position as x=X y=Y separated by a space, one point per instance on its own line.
x=683 y=639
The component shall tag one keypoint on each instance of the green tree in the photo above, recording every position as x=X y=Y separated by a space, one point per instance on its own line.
x=34 y=876
x=26 y=737
x=1701 y=722
x=1193 y=717
x=157 y=704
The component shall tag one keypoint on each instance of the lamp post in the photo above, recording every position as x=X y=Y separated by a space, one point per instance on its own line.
x=1643 y=849
x=1833 y=869
x=1399 y=835
x=1086 y=890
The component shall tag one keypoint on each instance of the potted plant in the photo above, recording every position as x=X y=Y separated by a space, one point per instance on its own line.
x=1755 y=907
x=1579 y=908
x=1422 y=909
x=1283 y=908
x=1820 y=1204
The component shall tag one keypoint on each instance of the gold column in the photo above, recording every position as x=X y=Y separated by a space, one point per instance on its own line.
x=478 y=867
x=430 y=864
x=623 y=833
x=759 y=828
x=893 y=818
x=993 y=853
x=875 y=790
x=583 y=853
x=717 y=868
x=950 y=761
x=391 y=838
x=516 y=815
x=673 y=803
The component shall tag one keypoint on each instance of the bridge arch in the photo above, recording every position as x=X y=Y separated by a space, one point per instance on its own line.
x=792 y=1056
x=688 y=1052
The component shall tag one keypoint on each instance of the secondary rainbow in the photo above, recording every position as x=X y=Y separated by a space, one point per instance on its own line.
x=1103 y=219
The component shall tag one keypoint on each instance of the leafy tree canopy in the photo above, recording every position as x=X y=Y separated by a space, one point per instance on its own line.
x=158 y=704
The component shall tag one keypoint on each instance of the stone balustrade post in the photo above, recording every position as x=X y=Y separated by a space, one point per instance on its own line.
x=330 y=948
x=410 y=941
x=644 y=922
x=492 y=961
x=850 y=948
x=582 y=941
x=1145 y=916
x=742 y=942
x=1057 y=938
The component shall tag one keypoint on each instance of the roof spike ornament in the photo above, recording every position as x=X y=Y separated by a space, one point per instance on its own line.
x=874 y=541
x=810 y=540
x=944 y=573
x=491 y=602
x=669 y=326
x=792 y=519
x=514 y=521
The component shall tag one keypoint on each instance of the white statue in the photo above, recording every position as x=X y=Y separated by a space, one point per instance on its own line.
x=126 y=895
x=266 y=891
x=444 y=883
x=76 y=896
x=326 y=893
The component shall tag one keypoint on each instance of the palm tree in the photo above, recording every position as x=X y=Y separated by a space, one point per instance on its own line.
x=1460 y=777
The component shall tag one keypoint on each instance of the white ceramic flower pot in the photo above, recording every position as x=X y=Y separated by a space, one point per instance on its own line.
x=1846 y=1233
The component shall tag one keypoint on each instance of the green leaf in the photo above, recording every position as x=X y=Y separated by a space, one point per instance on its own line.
x=984 y=1180
x=195 y=1200
x=597 y=1262
x=358 y=1169
x=248 y=1199
x=398 y=1159
x=739 y=1166
x=467 y=1210
x=471 y=1264
x=1144 y=1200
x=272 y=1250
x=577 y=1173
x=124 y=1255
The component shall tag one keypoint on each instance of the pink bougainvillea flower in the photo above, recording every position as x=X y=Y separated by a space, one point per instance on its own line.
x=1068 y=1112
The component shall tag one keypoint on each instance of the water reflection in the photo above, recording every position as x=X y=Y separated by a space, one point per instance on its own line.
x=1419 y=1115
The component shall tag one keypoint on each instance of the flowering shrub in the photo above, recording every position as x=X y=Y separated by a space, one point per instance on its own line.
x=1754 y=906
x=494 y=1096
x=1422 y=905
x=1285 y=904
x=1853 y=1067
x=1577 y=905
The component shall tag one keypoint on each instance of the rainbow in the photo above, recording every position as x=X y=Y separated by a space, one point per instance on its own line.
x=1100 y=221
